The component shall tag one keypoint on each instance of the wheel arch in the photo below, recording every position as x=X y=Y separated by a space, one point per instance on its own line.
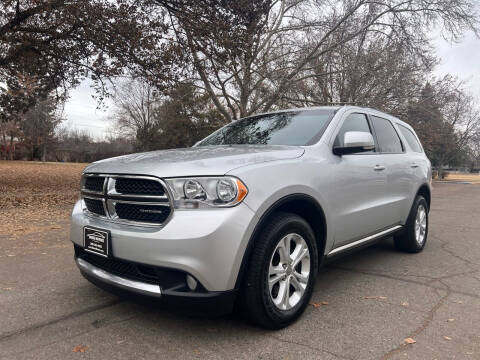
x=424 y=190
x=304 y=206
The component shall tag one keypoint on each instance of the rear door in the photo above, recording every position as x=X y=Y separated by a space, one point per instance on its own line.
x=359 y=186
x=417 y=161
x=397 y=170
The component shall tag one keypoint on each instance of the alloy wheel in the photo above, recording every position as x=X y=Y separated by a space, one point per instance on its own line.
x=420 y=225
x=289 y=271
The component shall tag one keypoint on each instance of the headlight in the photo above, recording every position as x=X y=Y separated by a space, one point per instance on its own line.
x=226 y=190
x=194 y=190
x=198 y=192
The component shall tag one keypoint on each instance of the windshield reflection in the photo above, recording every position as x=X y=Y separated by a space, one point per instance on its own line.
x=283 y=128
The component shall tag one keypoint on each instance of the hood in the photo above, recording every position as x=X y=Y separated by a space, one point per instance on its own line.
x=196 y=161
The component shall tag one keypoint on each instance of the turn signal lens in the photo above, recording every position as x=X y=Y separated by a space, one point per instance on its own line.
x=241 y=191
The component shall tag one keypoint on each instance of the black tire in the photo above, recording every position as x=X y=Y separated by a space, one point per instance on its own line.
x=407 y=240
x=256 y=302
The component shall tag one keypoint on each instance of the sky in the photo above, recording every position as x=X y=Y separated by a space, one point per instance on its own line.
x=81 y=112
x=460 y=59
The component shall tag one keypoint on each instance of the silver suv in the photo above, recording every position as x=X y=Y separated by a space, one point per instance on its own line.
x=248 y=214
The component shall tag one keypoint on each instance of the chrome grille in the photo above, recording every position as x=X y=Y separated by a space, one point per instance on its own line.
x=138 y=200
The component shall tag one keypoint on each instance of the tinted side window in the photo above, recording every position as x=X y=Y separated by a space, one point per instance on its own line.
x=411 y=139
x=387 y=137
x=354 y=122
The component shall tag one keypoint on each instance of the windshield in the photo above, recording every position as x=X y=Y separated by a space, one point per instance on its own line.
x=298 y=127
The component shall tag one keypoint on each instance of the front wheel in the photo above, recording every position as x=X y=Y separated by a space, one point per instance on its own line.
x=414 y=237
x=282 y=271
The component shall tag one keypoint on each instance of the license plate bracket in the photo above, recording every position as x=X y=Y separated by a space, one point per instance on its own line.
x=96 y=241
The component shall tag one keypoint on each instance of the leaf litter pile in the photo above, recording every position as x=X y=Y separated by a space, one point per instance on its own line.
x=35 y=196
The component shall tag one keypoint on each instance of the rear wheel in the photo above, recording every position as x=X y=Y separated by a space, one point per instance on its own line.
x=281 y=274
x=414 y=237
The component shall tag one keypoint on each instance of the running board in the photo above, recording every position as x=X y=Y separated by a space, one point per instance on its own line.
x=364 y=240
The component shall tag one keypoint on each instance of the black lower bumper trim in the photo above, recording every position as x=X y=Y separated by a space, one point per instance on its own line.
x=209 y=303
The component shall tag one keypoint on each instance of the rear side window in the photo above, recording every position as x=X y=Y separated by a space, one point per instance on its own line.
x=411 y=138
x=387 y=137
x=354 y=122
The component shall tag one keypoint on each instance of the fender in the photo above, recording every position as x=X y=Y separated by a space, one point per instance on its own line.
x=264 y=218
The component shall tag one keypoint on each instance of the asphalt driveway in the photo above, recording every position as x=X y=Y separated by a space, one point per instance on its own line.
x=365 y=305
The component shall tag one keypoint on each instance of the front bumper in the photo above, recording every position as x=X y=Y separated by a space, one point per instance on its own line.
x=90 y=271
x=198 y=303
x=207 y=244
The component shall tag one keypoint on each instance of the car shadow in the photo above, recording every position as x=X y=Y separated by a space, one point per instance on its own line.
x=153 y=311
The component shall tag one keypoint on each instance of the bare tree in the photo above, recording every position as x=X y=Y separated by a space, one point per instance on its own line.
x=462 y=114
x=9 y=131
x=185 y=117
x=177 y=118
x=16 y=97
x=79 y=146
x=446 y=119
x=38 y=126
x=135 y=104
x=367 y=71
x=475 y=152
x=280 y=40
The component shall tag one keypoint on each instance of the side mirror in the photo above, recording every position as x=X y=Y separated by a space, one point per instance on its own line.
x=354 y=142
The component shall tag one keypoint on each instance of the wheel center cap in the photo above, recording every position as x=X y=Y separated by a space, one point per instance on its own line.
x=289 y=270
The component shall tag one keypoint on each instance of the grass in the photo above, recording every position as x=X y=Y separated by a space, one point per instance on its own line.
x=473 y=178
x=36 y=194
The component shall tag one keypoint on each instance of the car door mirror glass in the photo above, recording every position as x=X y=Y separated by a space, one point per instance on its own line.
x=354 y=142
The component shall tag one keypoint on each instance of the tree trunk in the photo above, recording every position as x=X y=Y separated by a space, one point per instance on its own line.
x=5 y=145
x=440 y=171
x=11 y=147
x=44 y=152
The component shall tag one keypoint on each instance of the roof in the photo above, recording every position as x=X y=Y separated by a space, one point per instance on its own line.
x=348 y=107
x=337 y=107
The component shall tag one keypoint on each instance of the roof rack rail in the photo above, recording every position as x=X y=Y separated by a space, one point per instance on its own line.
x=334 y=103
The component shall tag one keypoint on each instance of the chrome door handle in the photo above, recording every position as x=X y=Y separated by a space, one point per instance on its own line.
x=379 y=168
x=414 y=165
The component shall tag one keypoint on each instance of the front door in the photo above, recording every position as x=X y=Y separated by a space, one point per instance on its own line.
x=359 y=187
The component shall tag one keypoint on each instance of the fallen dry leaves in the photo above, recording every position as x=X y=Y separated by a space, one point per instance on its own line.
x=34 y=195
x=318 y=304
x=80 y=348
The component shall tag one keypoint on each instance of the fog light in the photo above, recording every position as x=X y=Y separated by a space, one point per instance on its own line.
x=191 y=282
